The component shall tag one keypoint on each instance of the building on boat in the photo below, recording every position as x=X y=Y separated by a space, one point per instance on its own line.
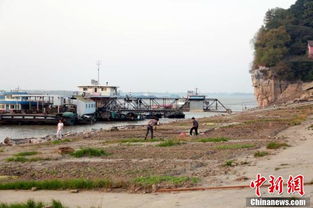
x=102 y=95
x=84 y=106
x=14 y=102
x=24 y=108
x=98 y=90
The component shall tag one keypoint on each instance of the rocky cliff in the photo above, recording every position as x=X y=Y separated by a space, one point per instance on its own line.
x=269 y=91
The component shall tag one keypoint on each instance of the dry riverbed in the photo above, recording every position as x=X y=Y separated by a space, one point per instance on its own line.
x=226 y=145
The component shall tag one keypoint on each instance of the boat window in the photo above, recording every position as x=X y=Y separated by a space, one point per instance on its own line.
x=12 y=106
x=86 y=105
x=84 y=89
x=96 y=89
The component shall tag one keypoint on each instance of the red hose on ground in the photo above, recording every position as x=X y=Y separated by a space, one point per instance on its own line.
x=213 y=188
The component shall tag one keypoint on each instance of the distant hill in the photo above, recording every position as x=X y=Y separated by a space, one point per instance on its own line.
x=281 y=43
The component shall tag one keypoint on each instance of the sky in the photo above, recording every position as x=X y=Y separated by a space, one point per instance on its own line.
x=143 y=45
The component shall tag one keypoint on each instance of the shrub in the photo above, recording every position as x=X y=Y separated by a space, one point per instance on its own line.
x=89 y=152
x=219 y=139
x=25 y=159
x=169 y=143
x=229 y=163
x=32 y=204
x=56 y=184
x=26 y=154
x=61 y=141
x=260 y=154
x=276 y=145
x=136 y=140
x=235 y=146
x=150 y=180
x=17 y=159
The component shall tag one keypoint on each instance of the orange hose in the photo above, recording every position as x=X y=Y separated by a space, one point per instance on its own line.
x=213 y=188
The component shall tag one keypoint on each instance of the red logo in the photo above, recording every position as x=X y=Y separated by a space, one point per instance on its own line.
x=294 y=184
x=257 y=184
x=276 y=185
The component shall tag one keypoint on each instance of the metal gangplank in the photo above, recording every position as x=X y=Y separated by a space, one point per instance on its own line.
x=161 y=105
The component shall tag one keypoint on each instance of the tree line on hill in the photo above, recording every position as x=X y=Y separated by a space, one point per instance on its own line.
x=281 y=43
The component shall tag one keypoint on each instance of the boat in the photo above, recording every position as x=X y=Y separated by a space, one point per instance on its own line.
x=23 y=108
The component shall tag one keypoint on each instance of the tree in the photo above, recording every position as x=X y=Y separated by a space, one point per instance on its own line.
x=277 y=17
x=281 y=43
x=271 y=46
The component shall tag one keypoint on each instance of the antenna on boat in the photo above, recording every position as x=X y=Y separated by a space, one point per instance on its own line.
x=98 y=64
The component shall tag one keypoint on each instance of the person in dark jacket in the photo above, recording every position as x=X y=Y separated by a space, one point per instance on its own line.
x=195 y=126
x=153 y=122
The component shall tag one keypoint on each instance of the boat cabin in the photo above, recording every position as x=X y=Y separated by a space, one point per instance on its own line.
x=11 y=101
x=84 y=106
x=98 y=90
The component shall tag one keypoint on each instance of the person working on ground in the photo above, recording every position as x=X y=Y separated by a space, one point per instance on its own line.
x=60 y=129
x=195 y=126
x=153 y=122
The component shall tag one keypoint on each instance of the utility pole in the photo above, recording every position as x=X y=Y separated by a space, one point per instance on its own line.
x=98 y=64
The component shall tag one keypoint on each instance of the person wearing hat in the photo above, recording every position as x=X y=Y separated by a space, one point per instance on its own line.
x=195 y=126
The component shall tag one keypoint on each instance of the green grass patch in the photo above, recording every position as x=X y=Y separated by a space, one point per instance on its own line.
x=235 y=146
x=88 y=184
x=218 y=139
x=229 y=163
x=61 y=141
x=170 y=143
x=22 y=154
x=276 y=145
x=90 y=152
x=56 y=184
x=138 y=140
x=25 y=159
x=33 y=204
x=150 y=180
x=260 y=154
x=297 y=120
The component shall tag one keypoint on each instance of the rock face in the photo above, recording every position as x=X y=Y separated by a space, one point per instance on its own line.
x=270 y=91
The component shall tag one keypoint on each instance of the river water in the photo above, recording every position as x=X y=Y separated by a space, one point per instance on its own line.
x=234 y=102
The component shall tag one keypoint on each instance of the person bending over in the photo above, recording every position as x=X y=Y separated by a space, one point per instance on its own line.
x=153 y=122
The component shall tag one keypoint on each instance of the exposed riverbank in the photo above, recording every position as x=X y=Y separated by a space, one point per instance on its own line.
x=248 y=133
x=225 y=144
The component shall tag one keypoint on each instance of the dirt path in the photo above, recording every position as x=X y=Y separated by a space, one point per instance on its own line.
x=294 y=160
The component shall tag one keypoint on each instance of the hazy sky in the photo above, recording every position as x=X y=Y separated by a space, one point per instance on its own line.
x=144 y=45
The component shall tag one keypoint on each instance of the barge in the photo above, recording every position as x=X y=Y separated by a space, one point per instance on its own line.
x=23 y=108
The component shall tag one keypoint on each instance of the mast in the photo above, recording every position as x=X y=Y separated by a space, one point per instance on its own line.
x=98 y=64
